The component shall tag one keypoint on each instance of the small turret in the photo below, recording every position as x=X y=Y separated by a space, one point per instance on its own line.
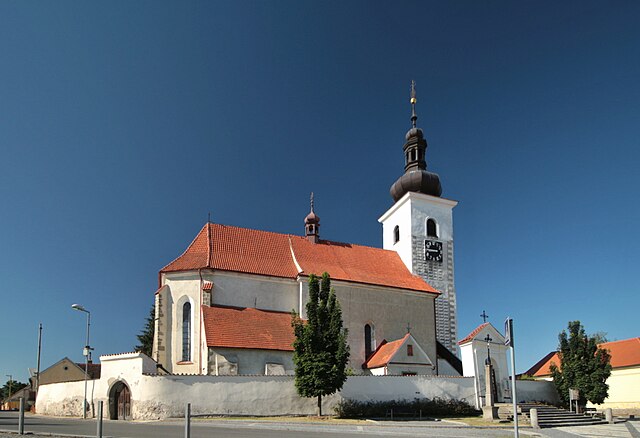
x=312 y=225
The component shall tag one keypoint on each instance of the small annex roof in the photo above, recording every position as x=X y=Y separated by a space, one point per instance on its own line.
x=473 y=334
x=384 y=353
x=625 y=353
x=244 y=250
x=245 y=327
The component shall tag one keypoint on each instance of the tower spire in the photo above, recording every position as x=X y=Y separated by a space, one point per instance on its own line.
x=416 y=178
x=413 y=100
x=312 y=224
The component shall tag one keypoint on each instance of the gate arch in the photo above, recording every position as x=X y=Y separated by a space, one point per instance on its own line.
x=120 y=401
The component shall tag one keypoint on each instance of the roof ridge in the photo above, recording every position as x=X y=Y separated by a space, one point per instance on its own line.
x=183 y=252
x=222 y=306
x=637 y=338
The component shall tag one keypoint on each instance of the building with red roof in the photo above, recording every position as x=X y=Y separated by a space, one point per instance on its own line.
x=624 y=381
x=223 y=306
x=225 y=303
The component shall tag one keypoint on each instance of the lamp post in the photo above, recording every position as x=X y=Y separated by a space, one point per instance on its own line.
x=85 y=352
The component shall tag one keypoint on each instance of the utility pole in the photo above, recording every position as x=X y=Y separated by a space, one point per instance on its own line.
x=38 y=366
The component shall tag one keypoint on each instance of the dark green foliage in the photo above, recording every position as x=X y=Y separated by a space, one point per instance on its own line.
x=146 y=336
x=436 y=407
x=14 y=385
x=320 y=352
x=583 y=366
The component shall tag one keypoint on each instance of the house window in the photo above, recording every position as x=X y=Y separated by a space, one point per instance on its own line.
x=367 y=341
x=396 y=234
x=409 y=350
x=432 y=228
x=186 y=332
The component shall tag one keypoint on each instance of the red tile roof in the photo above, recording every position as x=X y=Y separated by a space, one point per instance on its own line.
x=384 y=353
x=240 y=327
x=265 y=253
x=473 y=334
x=93 y=371
x=625 y=353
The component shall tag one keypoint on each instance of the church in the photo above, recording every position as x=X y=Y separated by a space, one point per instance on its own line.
x=223 y=307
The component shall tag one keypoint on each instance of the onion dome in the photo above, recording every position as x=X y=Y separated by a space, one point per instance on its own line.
x=312 y=225
x=416 y=178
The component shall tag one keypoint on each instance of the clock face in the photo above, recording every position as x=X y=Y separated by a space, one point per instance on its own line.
x=433 y=250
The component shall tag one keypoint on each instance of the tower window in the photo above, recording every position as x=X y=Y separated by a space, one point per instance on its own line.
x=396 y=234
x=186 y=332
x=409 y=350
x=432 y=228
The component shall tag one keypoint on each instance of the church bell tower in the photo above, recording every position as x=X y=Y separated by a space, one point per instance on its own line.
x=419 y=227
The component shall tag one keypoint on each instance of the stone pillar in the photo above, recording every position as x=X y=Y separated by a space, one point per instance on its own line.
x=608 y=415
x=489 y=410
x=533 y=415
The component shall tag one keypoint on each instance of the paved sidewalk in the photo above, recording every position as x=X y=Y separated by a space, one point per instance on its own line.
x=629 y=429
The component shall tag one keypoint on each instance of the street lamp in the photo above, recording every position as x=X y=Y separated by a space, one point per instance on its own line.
x=86 y=351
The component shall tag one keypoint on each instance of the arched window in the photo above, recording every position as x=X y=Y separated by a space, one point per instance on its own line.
x=432 y=230
x=367 y=341
x=186 y=332
x=396 y=234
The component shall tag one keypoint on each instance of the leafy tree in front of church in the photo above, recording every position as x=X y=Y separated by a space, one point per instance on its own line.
x=583 y=366
x=146 y=335
x=321 y=352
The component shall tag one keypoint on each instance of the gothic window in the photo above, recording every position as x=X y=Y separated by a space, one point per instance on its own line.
x=396 y=234
x=432 y=228
x=368 y=341
x=186 y=332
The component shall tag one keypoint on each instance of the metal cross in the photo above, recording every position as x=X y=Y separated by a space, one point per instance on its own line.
x=488 y=339
x=484 y=317
x=408 y=328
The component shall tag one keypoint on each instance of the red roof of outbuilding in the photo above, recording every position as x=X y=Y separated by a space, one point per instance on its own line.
x=384 y=353
x=240 y=327
x=473 y=334
x=625 y=353
x=265 y=253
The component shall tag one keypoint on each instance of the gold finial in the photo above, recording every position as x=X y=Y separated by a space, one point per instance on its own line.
x=413 y=93
x=413 y=101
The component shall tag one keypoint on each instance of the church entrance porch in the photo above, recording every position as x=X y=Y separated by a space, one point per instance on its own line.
x=120 y=402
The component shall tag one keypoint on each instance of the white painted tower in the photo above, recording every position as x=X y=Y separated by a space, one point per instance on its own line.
x=419 y=226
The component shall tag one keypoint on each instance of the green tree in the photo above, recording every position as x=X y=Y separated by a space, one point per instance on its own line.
x=583 y=366
x=320 y=352
x=12 y=385
x=146 y=335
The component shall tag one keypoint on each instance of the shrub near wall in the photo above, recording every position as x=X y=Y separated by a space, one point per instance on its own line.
x=436 y=407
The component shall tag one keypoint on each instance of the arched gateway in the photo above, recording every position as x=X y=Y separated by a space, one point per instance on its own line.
x=120 y=401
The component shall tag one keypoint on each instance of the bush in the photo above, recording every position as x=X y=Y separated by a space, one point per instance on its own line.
x=436 y=407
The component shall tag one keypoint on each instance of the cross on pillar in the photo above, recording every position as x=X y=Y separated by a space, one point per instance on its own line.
x=484 y=316
x=488 y=339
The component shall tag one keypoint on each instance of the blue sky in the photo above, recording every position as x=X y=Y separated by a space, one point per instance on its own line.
x=125 y=123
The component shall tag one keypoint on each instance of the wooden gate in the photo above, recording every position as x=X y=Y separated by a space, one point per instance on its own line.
x=124 y=403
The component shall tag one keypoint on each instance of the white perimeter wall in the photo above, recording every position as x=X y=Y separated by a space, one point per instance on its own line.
x=158 y=397
x=536 y=390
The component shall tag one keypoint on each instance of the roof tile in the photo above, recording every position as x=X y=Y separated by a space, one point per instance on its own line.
x=240 y=327
x=265 y=253
x=623 y=353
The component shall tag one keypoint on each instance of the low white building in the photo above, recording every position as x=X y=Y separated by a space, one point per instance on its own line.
x=483 y=342
x=624 y=381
